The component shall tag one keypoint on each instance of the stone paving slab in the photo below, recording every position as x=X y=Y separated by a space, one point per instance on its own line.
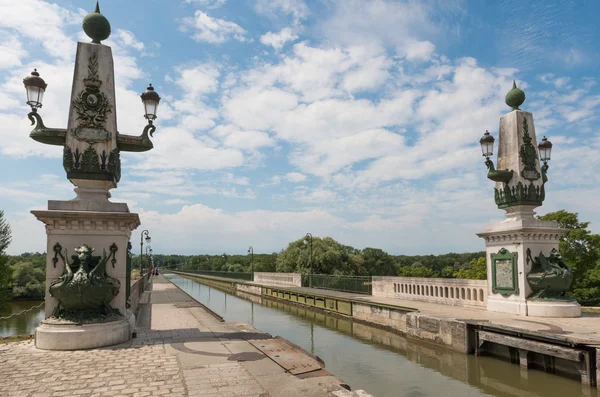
x=181 y=350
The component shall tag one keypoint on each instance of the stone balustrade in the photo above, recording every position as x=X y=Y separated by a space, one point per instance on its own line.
x=286 y=279
x=135 y=293
x=445 y=291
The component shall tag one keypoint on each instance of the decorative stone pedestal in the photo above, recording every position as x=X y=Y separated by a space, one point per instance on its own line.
x=553 y=308
x=101 y=230
x=507 y=246
x=526 y=275
x=55 y=336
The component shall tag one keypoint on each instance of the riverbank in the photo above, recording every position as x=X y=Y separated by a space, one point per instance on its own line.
x=569 y=347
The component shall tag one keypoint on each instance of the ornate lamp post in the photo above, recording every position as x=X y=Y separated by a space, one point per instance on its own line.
x=97 y=229
x=251 y=252
x=308 y=240
x=526 y=275
x=148 y=241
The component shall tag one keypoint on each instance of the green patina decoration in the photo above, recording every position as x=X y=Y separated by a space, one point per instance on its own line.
x=519 y=195
x=91 y=165
x=515 y=97
x=114 y=164
x=549 y=277
x=68 y=164
x=96 y=26
x=89 y=162
x=85 y=290
x=528 y=155
x=504 y=273
x=498 y=175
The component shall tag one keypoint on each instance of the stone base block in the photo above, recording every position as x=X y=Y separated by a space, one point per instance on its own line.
x=85 y=336
x=502 y=305
x=548 y=308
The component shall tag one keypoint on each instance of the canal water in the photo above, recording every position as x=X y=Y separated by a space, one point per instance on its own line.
x=25 y=323
x=380 y=362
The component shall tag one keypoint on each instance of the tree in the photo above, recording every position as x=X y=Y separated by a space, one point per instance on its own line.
x=580 y=249
x=415 y=271
x=377 y=262
x=329 y=257
x=27 y=281
x=5 y=239
x=477 y=270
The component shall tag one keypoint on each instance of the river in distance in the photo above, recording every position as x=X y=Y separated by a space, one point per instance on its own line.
x=24 y=324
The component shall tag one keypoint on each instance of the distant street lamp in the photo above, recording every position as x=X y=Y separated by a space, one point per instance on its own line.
x=251 y=252
x=149 y=254
x=308 y=240
x=148 y=240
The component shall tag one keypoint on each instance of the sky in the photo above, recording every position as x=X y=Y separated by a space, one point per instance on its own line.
x=358 y=120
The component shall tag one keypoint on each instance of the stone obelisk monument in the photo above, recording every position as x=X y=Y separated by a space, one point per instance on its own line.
x=88 y=237
x=526 y=275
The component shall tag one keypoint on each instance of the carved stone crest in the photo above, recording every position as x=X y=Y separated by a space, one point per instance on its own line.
x=92 y=107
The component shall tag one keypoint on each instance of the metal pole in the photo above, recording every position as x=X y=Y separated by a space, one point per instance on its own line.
x=309 y=238
x=251 y=252
x=147 y=234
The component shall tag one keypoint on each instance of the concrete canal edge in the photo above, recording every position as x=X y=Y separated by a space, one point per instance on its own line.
x=554 y=354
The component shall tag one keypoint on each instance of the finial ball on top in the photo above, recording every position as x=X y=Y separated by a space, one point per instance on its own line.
x=515 y=97
x=96 y=26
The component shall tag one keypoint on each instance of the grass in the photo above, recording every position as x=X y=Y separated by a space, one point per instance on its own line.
x=14 y=338
x=590 y=309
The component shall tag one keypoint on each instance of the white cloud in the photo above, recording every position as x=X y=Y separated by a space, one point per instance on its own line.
x=419 y=50
x=232 y=136
x=212 y=30
x=295 y=177
x=208 y=3
x=279 y=39
x=12 y=51
x=297 y=9
x=128 y=39
x=238 y=180
x=41 y=21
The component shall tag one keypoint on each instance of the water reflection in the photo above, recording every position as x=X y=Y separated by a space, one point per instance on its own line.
x=381 y=362
x=24 y=324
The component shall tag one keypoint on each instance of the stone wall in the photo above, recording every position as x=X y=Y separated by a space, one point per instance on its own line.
x=286 y=279
x=248 y=288
x=445 y=291
x=445 y=332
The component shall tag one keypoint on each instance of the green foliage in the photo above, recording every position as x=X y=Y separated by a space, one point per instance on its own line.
x=580 y=250
x=5 y=278
x=329 y=257
x=416 y=271
x=477 y=270
x=5 y=234
x=28 y=282
x=446 y=265
x=376 y=262
x=5 y=239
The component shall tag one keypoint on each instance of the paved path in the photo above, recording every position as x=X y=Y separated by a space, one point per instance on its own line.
x=181 y=349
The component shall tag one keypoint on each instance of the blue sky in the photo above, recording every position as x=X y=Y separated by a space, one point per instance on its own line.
x=358 y=120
